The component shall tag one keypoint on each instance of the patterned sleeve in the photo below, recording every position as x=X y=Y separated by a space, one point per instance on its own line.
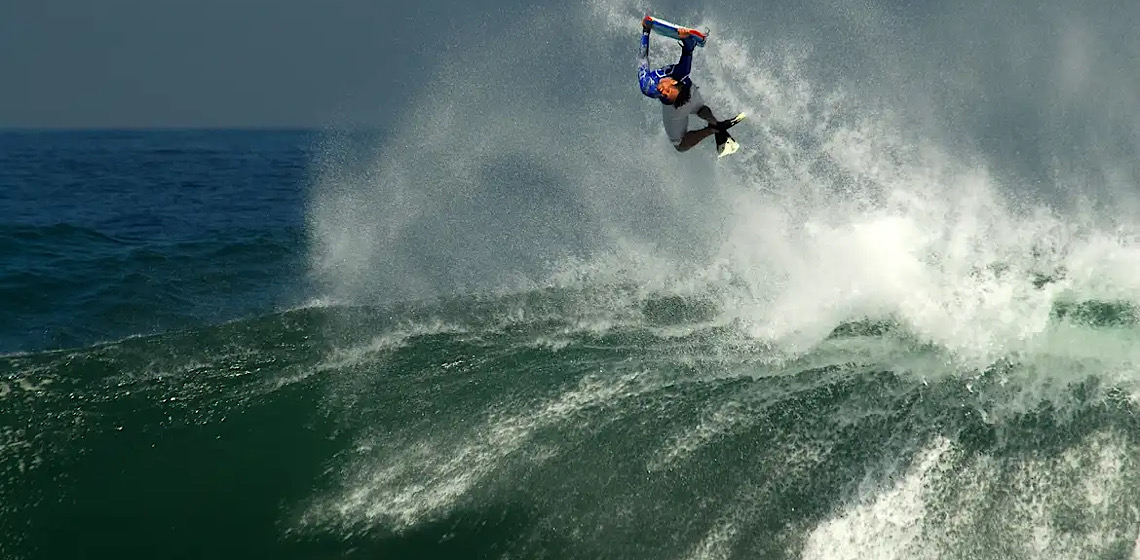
x=648 y=86
x=684 y=67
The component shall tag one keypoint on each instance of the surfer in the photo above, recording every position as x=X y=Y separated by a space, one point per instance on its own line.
x=680 y=97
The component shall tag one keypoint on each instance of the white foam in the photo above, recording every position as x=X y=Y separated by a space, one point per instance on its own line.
x=29 y=385
x=841 y=212
x=721 y=421
x=341 y=358
x=1033 y=503
x=321 y=302
x=717 y=544
x=400 y=487
x=884 y=526
x=553 y=344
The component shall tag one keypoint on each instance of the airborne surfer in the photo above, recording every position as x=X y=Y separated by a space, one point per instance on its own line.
x=680 y=98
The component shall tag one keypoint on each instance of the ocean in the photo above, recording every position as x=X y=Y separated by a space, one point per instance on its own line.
x=898 y=324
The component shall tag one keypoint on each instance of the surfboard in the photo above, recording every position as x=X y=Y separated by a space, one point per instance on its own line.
x=662 y=27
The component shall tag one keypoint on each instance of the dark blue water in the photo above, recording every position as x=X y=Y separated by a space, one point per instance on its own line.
x=110 y=234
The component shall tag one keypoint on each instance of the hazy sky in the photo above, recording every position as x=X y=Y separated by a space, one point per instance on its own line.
x=128 y=63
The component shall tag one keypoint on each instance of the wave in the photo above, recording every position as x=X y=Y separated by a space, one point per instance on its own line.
x=557 y=409
x=849 y=200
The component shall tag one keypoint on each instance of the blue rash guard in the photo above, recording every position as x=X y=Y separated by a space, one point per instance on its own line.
x=679 y=71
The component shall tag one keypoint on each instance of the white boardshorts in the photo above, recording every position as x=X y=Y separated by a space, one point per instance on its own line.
x=677 y=118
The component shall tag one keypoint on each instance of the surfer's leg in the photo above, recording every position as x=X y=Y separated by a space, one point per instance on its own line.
x=676 y=123
x=715 y=126
x=705 y=113
x=693 y=137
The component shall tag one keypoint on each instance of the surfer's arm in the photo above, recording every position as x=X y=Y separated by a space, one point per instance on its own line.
x=647 y=85
x=684 y=66
x=643 y=53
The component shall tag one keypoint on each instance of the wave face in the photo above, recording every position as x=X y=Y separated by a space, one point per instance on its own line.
x=574 y=423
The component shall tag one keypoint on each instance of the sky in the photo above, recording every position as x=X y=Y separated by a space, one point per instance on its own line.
x=311 y=63
x=207 y=63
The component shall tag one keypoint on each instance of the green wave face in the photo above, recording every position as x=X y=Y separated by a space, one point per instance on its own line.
x=543 y=424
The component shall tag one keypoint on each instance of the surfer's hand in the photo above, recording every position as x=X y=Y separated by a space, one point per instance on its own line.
x=683 y=32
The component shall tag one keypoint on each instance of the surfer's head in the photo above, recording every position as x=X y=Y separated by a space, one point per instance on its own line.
x=672 y=92
x=668 y=89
